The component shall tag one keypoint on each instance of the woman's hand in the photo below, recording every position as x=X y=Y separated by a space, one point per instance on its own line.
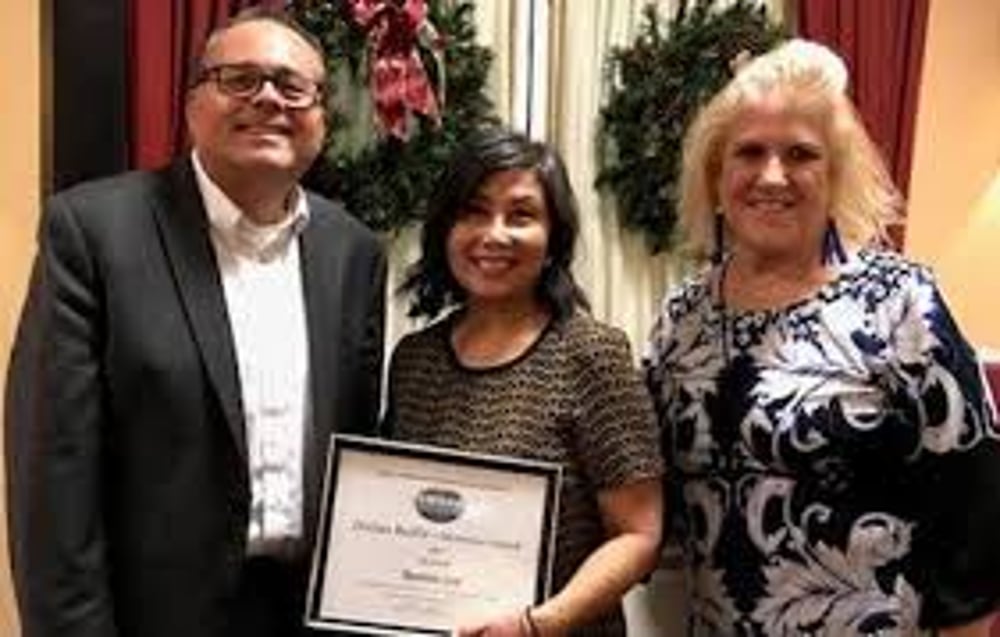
x=631 y=514
x=511 y=625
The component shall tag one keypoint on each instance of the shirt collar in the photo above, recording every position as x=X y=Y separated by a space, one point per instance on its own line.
x=240 y=232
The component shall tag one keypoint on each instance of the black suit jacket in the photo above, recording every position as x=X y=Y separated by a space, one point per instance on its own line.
x=127 y=476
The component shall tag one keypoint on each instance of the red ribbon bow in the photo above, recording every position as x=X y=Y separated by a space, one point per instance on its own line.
x=399 y=82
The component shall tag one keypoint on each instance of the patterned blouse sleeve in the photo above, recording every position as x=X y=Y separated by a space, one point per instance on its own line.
x=956 y=542
x=615 y=431
x=654 y=373
x=659 y=383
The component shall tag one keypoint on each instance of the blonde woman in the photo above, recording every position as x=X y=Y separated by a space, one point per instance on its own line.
x=836 y=464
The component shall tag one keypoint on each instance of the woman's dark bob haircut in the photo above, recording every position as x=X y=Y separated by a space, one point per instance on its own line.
x=486 y=152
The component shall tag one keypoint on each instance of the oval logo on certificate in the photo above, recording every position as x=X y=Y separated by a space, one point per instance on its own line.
x=439 y=505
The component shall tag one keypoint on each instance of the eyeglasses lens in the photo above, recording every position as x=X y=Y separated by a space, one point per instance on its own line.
x=246 y=81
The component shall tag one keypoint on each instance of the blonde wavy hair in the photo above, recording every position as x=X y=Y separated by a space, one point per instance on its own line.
x=813 y=80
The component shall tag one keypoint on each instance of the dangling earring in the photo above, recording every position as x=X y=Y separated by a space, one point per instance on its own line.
x=718 y=231
x=833 y=248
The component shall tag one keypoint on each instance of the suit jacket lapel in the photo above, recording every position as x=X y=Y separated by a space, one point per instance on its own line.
x=323 y=301
x=184 y=226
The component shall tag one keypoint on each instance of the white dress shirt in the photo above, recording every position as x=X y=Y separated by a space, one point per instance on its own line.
x=262 y=282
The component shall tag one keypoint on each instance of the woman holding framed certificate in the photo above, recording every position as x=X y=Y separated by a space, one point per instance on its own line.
x=519 y=368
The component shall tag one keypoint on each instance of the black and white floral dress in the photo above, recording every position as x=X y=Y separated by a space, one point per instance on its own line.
x=834 y=464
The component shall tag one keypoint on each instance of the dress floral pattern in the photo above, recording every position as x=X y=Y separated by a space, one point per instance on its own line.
x=835 y=464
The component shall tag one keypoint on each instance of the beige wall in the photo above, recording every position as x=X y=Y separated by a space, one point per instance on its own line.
x=20 y=166
x=954 y=220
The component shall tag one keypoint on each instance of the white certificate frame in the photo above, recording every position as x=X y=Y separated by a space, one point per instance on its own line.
x=414 y=539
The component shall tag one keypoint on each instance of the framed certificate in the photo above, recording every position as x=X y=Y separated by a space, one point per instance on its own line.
x=415 y=540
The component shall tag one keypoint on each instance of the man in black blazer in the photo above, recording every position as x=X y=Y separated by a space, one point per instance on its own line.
x=190 y=340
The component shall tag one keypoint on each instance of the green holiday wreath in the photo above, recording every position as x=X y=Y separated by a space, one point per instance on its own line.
x=659 y=83
x=408 y=83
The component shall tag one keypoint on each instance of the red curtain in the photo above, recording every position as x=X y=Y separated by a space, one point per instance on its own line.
x=165 y=37
x=882 y=42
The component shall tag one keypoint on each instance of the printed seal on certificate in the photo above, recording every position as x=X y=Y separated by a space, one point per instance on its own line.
x=415 y=540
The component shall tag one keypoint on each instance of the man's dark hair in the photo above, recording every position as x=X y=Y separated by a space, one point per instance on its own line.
x=483 y=154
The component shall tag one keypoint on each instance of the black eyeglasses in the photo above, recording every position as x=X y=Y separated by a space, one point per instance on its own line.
x=246 y=80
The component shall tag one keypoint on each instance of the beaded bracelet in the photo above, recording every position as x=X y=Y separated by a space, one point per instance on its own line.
x=530 y=621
